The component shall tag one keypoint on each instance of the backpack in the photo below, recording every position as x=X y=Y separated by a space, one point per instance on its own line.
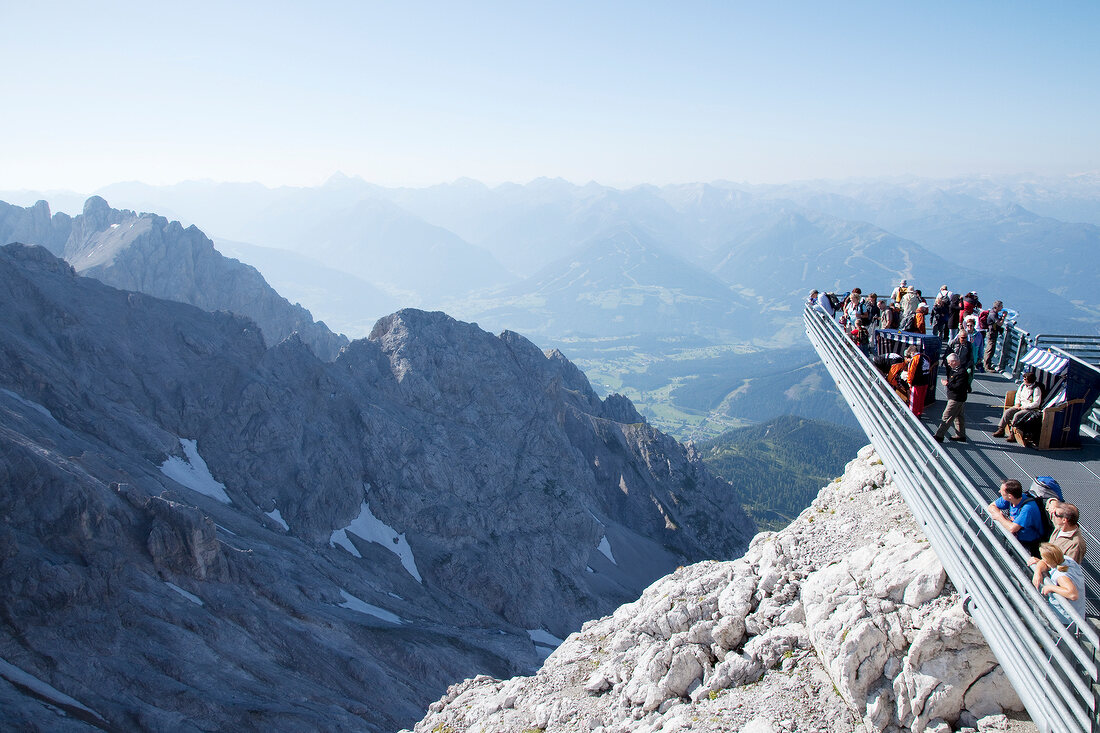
x=983 y=320
x=1045 y=487
x=1048 y=523
x=889 y=319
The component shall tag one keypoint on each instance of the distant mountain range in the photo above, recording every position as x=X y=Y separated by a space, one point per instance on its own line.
x=619 y=283
x=462 y=244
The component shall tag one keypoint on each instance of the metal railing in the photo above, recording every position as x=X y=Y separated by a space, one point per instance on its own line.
x=1053 y=669
x=1085 y=348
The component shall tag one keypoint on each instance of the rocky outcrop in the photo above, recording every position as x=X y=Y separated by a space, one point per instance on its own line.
x=843 y=621
x=240 y=536
x=149 y=254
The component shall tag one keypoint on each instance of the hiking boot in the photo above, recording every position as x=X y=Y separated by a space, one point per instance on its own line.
x=959 y=438
x=1011 y=438
x=999 y=433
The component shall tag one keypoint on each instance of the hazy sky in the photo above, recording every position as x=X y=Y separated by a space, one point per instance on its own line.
x=621 y=93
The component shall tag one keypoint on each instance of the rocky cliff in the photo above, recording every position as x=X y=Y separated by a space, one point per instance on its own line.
x=202 y=532
x=152 y=255
x=843 y=621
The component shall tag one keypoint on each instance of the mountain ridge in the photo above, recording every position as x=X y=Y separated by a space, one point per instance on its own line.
x=190 y=513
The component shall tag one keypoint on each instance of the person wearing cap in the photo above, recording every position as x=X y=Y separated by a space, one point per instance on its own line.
x=899 y=292
x=909 y=303
x=921 y=319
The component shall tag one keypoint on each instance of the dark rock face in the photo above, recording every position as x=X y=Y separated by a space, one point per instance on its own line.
x=200 y=532
x=149 y=254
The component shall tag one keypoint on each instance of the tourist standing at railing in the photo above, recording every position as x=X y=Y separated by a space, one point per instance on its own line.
x=961 y=347
x=909 y=303
x=956 y=313
x=956 y=385
x=1022 y=520
x=1065 y=586
x=899 y=292
x=994 y=327
x=889 y=316
x=854 y=308
x=1066 y=536
x=941 y=315
x=918 y=374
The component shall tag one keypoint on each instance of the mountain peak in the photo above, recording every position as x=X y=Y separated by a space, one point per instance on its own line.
x=97 y=213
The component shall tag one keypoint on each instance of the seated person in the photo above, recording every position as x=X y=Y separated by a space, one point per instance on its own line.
x=1028 y=398
x=1019 y=515
x=1065 y=583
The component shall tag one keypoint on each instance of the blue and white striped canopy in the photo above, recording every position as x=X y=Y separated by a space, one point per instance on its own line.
x=1045 y=360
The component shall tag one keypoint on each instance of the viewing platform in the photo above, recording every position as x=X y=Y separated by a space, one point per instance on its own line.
x=1054 y=668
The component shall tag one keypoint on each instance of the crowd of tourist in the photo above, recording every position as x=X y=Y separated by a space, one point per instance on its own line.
x=1050 y=534
x=966 y=330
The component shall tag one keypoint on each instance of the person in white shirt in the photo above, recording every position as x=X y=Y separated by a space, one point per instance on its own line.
x=1028 y=399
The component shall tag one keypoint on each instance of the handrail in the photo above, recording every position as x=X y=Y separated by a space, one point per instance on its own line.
x=1053 y=669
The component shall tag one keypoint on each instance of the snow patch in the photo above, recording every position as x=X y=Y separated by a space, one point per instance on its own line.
x=355 y=604
x=545 y=642
x=340 y=537
x=274 y=514
x=189 y=596
x=193 y=472
x=372 y=529
x=18 y=677
x=605 y=548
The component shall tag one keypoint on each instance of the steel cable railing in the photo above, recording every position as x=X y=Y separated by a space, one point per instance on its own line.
x=1054 y=670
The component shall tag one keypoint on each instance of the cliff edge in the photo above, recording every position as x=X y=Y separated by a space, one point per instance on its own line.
x=843 y=621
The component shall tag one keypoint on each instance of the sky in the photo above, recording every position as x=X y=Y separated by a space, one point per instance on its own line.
x=622 y=93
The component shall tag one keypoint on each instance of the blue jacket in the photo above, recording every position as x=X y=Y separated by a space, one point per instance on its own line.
x=1026 y=514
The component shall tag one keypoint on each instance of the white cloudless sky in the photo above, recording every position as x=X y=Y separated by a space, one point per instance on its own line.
x=416 y=93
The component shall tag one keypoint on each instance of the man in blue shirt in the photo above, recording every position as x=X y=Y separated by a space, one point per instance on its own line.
x=1018 y=515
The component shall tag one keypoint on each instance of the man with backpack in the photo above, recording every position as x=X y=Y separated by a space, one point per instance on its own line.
x=889 y=317
x=918 y=374
x=993 y=323
x=1020 y=515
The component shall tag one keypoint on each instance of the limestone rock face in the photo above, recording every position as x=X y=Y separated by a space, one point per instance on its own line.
x=843 y=621
x=250 y=537
x=149 y=254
